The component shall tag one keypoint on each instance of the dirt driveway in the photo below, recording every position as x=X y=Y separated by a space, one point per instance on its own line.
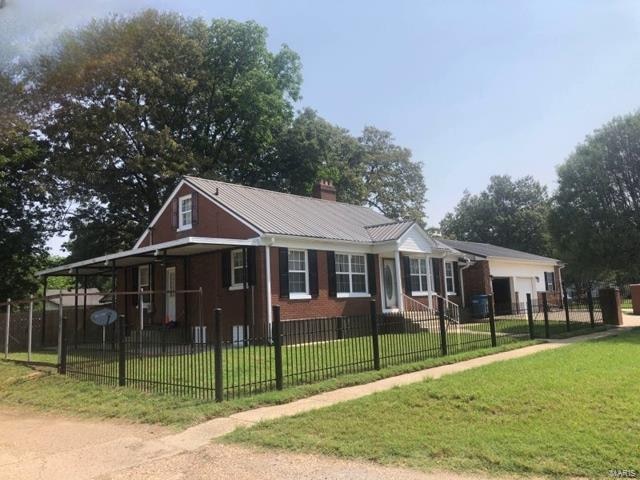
x=50 y=447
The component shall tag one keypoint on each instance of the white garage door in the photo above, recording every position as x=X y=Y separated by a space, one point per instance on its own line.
x=524 y=285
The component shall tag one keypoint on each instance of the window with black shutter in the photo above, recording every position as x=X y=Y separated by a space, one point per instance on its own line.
x=331 y=270
x=283 y=270
x=312 y=256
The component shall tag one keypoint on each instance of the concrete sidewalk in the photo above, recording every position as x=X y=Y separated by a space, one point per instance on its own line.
x=125 y=448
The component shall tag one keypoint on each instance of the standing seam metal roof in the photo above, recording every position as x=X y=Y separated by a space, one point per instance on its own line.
x=287 y=214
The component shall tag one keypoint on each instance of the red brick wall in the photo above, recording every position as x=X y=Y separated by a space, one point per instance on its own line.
x=476 y=280
x=213 y=221
x=322 y=305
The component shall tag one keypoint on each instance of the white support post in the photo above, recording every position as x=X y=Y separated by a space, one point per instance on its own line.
x=7 y=324
x=399 y=282
x=267 y=269
x=60 y=315
x=429 y=282
x=30 y=328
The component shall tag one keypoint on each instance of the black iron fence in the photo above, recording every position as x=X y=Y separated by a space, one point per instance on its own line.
x=213 y=363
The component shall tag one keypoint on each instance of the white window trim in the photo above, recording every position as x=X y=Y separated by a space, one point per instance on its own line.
x=235 y=285
x=351 y=293
x=181 y=226
x=420 y=293
x=452 y=277
x=301 y=295
x=141 y=286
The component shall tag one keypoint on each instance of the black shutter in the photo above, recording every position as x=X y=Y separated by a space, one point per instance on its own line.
x=283 y=257
x=174 y=213
x=251 y=260
x=225 y=259
x=134 y=270
x=435 y=266
x=331 y=270
x=312 y=255
x=371 y=273
x=456 y=277
x=194 y=208
x=406 y=266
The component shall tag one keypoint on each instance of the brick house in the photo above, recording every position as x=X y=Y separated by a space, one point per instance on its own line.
x=243 y=249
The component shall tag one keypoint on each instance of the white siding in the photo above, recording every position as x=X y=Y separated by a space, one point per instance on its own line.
x=415 y=242
x=515 y=269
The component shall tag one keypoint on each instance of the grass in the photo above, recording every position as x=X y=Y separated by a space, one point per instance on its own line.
x=561 y=413
x=44 y=390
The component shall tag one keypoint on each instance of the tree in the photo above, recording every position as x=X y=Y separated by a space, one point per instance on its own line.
x=131 y=104
x=370 y=170
x=595 y=219
x=27 y=197
x=509 y=213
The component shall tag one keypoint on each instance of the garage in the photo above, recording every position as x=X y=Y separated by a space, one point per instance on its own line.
x=524 y=286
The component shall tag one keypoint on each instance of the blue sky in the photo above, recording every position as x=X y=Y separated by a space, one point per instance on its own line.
x=473 y=88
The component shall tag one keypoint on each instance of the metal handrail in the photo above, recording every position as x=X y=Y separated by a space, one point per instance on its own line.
x=419 y=305
x=451 y=309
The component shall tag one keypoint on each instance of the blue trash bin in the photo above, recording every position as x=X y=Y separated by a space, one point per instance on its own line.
x=480 y=306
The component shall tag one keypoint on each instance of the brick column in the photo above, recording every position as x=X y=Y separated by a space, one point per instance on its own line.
x=635 y=298
x=610 y=305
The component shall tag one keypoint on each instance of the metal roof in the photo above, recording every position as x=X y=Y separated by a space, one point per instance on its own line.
x=388 y=231
x=286 y=214
x=487 y=250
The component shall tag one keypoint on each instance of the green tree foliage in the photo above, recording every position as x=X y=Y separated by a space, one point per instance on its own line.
x=509 y=213
x=27 y=200
x=595 y=219
x=131 y=104
x=369 y=170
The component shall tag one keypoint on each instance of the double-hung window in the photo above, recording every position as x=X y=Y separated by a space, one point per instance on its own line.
x=298 y=273
x=185 y=212
x=144 y=283
x=351 y=274
x=237 y=268
x=419 y=275
x=448 y=276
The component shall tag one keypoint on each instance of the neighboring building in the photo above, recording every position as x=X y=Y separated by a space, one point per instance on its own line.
x=509 y=274
x=249 y=249
x=93 y=298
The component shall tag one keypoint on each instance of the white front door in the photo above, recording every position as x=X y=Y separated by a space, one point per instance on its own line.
x=170 y=295
x=389 y=285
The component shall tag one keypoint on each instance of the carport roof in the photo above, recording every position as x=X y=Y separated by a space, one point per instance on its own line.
x=138 y=256
x=486 y=250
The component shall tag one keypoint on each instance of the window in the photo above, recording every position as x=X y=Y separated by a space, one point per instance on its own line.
x=351 y=274
x=185 y=213
x=237 y=268
x=144 y=283
x=298 y=274
x=418 y=271
x=550 y=281
x=448 y=275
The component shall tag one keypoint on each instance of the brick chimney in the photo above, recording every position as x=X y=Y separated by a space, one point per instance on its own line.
x=324 y=190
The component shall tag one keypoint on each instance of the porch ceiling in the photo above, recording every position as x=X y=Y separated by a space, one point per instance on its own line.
x=183 y=247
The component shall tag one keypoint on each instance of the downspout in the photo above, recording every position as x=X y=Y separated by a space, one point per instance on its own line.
x=468 y=263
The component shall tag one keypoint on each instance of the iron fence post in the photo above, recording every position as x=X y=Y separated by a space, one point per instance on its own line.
x=443 y=326
x=492 y=322
x=374 y=333
x=565 y=301
x=530 y=316
x=277 y=346
x=217 y=353
x=122 y=367
x=545 y=308
x=592 y=318
x=62 y=367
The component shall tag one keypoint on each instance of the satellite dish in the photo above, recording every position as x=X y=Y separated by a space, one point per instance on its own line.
x=104 y=317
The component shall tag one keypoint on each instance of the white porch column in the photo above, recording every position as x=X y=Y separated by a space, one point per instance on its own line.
x=267 y=270
x=429 y=281
x=399 y=282
x=444 y=278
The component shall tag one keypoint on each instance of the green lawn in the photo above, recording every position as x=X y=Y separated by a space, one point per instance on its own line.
x=43 y=389
x=562 y=413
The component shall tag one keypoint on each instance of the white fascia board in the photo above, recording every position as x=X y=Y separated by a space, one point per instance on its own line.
x=525 y=261
x=309 y=243
x=106 y=259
